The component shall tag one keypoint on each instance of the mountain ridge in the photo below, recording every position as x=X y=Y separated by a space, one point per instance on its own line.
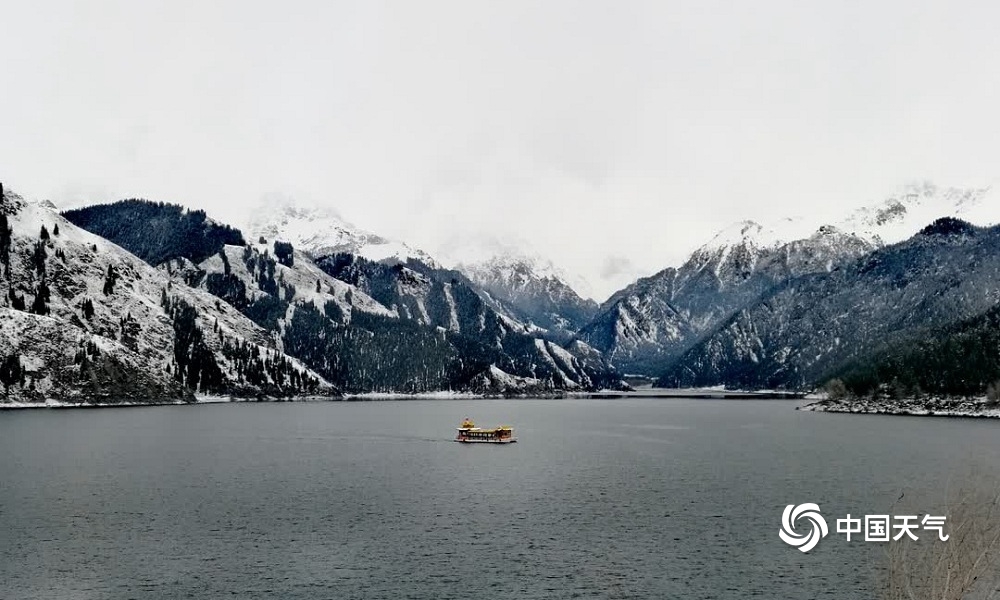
x=652 y=321
x=422 y=328
x=807 y=327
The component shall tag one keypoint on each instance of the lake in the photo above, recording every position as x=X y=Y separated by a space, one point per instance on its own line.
x=625 y=498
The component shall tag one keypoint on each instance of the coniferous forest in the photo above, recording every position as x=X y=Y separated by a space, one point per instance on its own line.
x=962 y=360
x=156 y=231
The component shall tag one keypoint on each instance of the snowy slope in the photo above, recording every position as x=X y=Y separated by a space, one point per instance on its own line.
x=365 y=326
x=322 y=232
x=533 y=290
x=523 y=283
x=51 y=354
x=434 y=301
x=503 y=258
x=914 y=206
x=137 y=314
x=655 y=319
x=799 y=333
x=526 y=290
x=309 y=282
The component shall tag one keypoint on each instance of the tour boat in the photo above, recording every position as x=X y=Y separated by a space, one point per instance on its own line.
x=470 y=434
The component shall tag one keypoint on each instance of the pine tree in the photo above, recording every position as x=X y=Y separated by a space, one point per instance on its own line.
x=40 y=306
x=38 y=258
x=109 y=281
x=284 y=252
x=44 y=233
x=55 y=229
x=16 y=300
x=11 y=372
x=5 y=237
x=88 y=309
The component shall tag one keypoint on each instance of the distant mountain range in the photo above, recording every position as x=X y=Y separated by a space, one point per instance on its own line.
x=145 y=301
x=649 y=325
x=358 y=325
x=533 y=290
x=808 y=328
x=526 y=288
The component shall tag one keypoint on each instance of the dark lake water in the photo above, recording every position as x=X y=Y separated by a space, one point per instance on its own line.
x=638 y=498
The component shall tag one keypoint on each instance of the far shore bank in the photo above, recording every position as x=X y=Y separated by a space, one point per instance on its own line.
x=696 y=393
x=699 y=393
x=919 y=407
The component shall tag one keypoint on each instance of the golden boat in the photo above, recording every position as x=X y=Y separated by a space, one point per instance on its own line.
x=468 y=433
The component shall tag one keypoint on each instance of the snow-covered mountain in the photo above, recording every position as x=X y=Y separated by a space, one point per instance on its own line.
x=533 y=289
x=448 y=301
x=809 y=328
x=510 y=253
x=522 y=282
x=322 y=231
x=655 y=319
x=402 y=276
x=652 y=321
x=85 y=320
x=913 y=206
x=364 y=326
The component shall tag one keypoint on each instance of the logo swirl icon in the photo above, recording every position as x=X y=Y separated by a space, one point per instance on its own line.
x=803 y=541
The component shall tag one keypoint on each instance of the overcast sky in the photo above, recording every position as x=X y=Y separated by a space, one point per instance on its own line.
x=616 y=136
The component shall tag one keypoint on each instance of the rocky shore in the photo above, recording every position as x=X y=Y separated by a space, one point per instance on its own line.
x=929 y=407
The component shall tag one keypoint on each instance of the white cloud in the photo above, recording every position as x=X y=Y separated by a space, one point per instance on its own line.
x=595 y=129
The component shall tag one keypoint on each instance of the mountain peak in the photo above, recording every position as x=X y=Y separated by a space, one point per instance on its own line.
x=755 y=235
x=737 y=234
x=322 y=231
x=736 y=249
x=915 y=205
x=526 y=283
x=477 y=253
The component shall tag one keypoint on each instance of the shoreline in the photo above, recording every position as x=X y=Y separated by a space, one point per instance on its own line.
x=204 y=399
x=656 y=393
x=975 y=408
x=696 y=394
x=60 y=404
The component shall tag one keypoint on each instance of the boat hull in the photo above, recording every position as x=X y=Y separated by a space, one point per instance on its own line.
x=470 y=434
